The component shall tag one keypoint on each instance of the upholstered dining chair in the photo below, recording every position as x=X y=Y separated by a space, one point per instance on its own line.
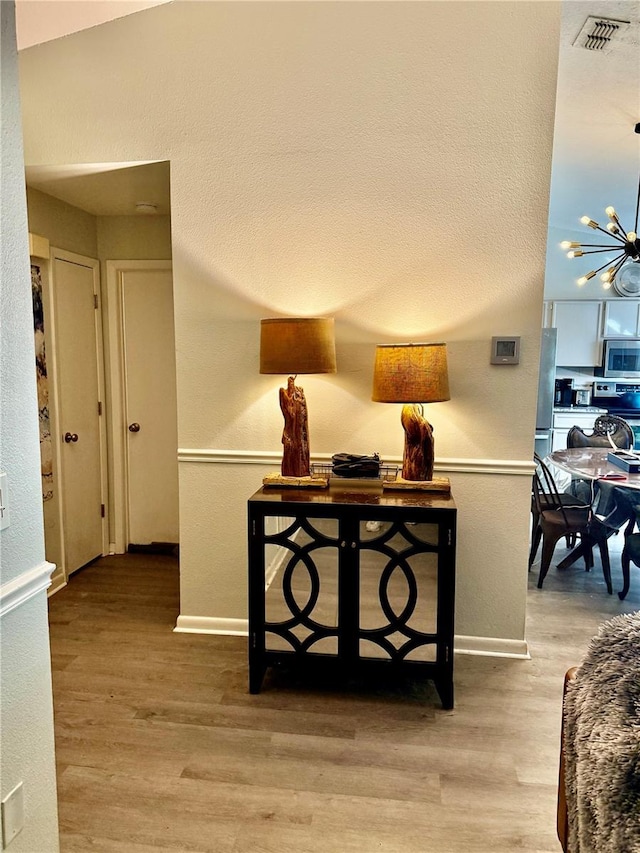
x=561 y=514
x=605 y=427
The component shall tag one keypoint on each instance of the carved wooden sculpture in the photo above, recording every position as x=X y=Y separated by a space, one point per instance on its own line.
x=417 y=460
x=295 y=436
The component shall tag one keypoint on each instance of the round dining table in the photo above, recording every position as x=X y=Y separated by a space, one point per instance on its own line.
x=592 y=463
x=614 y=492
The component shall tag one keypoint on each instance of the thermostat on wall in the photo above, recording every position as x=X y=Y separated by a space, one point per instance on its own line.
x=505 y=350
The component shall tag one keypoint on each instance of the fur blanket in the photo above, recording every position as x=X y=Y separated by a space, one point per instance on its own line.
x=602 y=742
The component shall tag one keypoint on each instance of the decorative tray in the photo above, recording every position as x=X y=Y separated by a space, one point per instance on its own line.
x=324 y=469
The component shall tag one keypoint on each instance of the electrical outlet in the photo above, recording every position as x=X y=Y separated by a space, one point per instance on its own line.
x=4 y=502
x=12 y=814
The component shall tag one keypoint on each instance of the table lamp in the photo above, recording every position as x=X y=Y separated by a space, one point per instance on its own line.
x=413 y=374
x=293 y=345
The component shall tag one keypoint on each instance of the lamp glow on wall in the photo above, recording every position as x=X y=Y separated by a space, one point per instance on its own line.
x=413 y=374
x=621 y=271
x=294 y=345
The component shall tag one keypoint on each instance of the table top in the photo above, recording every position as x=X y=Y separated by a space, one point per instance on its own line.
x=591 y=463
x=361 y=496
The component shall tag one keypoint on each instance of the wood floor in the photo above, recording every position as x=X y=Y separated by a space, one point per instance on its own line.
x=161 y=748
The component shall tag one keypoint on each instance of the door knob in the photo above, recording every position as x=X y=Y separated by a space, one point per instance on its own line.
x=134 y=427
x=70 y=436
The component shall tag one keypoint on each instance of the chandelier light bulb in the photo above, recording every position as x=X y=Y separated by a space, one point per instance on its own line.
x=575 y=254
x=613 y=216
x=606 y=285
x=612 y=228
x=607 y=276
x=586 y=220
x=632 y=236
x=568 y=244
x=585 y=278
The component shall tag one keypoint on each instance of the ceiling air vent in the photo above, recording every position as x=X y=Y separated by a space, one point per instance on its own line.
x=601 y=34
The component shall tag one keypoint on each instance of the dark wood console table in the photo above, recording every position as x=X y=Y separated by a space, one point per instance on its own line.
x=357 y=577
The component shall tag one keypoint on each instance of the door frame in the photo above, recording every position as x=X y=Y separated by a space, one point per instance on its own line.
x=114 y=333
x=54 y=390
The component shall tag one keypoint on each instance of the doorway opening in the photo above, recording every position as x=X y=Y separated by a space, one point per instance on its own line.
x=111 y=222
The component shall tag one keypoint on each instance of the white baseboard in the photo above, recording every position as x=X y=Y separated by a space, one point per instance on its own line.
x=496 y=647
x=486 y=646
x=58 y=582
x=212 y=625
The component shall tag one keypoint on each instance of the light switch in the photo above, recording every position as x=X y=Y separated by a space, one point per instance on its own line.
x=4 y=502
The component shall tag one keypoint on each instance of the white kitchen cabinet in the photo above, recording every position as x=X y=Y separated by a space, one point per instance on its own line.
x=622 y=318
x=579 y=325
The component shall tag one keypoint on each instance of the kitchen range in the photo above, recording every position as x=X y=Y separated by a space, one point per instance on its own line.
x=620 y=397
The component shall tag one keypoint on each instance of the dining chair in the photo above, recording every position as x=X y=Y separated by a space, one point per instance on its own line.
x=605 y=427
x=561 y=514
x=630 y=553
x=568 y=498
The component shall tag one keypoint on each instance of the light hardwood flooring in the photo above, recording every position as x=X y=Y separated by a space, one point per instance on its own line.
x=161 y=748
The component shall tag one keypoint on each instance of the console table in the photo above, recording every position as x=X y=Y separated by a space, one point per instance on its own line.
x=355 y=578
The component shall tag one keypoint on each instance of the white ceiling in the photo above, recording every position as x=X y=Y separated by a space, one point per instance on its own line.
x=596 y=152
x=105 y=189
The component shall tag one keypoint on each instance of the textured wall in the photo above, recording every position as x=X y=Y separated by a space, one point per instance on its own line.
x=384 y=163
x=25 y=699
x=66 y=227
x=134 y=238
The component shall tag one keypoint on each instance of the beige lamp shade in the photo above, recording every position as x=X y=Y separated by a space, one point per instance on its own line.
x=292 y=345
x=410 y=373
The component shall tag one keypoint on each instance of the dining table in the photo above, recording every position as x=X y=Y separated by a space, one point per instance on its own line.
x=613 y=492
x=592 y=463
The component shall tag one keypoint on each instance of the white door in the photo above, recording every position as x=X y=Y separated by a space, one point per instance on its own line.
x=150 y=405
x=78 y=381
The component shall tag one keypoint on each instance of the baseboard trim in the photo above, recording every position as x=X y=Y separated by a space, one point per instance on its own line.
x=485 y=646
x=212 y=625
x=57 y=583
x=496 y=647
x=19 y=590
x=274 y=458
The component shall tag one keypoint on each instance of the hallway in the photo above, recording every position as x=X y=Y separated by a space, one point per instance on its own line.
x=160 y=746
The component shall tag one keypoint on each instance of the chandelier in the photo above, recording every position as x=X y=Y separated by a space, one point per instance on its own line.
x=626 y=245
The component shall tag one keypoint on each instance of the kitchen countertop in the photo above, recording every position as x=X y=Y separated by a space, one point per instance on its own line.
x=587 y=410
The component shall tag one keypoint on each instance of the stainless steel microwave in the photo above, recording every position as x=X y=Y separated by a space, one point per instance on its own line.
x=621 y=358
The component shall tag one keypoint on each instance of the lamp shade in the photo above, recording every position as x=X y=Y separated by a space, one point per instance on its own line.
x=297 y=345
x=410 y=373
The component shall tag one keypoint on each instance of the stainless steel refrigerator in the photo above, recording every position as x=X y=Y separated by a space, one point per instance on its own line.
x=546 y=391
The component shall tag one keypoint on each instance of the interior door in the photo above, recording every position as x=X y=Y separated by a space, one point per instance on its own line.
x=78 y=372
x=150 y=405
